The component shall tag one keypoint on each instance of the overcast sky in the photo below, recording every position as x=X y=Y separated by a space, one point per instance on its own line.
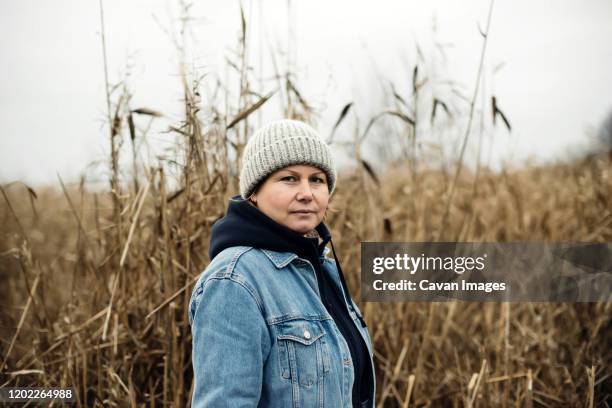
x=553 y=80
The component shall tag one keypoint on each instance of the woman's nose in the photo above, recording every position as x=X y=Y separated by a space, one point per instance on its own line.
x=304 y=191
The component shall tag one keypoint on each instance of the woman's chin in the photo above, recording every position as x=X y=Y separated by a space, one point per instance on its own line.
x=301 y=227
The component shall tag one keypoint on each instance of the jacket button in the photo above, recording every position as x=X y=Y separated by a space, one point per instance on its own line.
x=306 y=334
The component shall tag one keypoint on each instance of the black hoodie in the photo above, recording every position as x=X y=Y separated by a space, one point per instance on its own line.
x=245 y=225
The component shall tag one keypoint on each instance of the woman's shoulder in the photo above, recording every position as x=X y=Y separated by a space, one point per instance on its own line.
x=224 y=263
x=241 y=262
x=244 y=265
x=229 y=256
x=220 y=273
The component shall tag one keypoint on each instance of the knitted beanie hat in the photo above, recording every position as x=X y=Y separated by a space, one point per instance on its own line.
x=280 y=144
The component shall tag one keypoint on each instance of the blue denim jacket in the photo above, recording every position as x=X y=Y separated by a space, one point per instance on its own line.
x=262 y=337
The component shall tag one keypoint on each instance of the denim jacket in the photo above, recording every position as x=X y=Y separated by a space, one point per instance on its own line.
x=262 y=337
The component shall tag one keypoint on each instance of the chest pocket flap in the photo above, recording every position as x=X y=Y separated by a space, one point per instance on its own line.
x=302 y=331
x=302 y=352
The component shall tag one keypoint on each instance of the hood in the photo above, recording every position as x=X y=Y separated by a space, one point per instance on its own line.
x=245 y=225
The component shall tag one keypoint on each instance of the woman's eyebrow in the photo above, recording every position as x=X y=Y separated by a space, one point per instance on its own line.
x=298 y=174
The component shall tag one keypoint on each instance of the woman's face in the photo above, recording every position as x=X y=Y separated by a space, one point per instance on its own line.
x=294 y=196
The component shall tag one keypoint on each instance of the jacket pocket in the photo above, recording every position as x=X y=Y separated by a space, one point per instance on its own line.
x=302 y=351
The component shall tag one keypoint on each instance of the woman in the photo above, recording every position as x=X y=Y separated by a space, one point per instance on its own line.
x=272 y=320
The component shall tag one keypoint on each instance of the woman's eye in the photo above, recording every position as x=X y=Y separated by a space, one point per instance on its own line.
x=317 y=180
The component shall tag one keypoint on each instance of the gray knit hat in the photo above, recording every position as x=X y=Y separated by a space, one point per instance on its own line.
x=280 y=144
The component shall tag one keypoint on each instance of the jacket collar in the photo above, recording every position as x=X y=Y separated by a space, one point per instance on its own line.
x=279 y=259
x=282 y=259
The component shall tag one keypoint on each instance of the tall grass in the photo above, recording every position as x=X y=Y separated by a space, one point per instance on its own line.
x=96 y=284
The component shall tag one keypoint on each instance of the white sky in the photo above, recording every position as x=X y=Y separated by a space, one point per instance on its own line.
x=554 y=86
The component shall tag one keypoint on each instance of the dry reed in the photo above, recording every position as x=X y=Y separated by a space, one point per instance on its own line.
x=96 y=284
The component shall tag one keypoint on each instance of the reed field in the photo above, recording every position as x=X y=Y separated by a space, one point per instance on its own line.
x=96 y=281
x=99 y=303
